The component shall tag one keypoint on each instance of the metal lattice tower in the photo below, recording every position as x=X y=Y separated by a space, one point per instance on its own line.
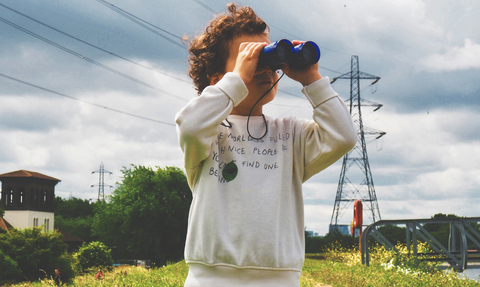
x=101 y=182
x=359 y=182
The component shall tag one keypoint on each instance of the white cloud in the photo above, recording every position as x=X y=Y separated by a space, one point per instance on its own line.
x=455 y=58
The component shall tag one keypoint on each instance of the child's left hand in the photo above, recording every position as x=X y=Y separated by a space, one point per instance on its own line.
x=305 y=75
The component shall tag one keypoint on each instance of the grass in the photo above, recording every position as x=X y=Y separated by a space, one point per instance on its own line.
x=339 y=267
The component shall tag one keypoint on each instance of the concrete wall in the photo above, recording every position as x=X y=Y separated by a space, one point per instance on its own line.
x=25 y=218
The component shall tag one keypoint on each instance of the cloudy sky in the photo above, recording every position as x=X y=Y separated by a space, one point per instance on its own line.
x=83 y=84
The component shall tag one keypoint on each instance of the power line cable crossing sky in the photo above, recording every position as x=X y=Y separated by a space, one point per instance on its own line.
x=83 y=101
x=91 y=45
x=142 y=23
x=90 y=60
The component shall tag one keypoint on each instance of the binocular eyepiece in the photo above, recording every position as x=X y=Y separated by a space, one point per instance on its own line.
x=283 y=51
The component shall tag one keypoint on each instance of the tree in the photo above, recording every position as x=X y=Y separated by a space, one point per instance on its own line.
x=75 y=216
x=335 y=237
x=80 y=227
x=394 y=233
x=33 y=250
x=146 y=216
x=73 y=207
x=314 y=244
x=441 y=231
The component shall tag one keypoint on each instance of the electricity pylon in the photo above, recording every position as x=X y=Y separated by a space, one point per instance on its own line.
x=361 y=186
x=101 y=182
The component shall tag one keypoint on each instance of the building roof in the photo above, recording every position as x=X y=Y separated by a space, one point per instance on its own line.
x=5 y=225
x=25 y=173
x=67 y=237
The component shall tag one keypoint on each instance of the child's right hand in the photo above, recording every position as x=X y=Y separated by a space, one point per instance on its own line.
x=305 y=75
x=247 y=60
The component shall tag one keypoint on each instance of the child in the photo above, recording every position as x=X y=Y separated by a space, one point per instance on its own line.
x=58 y=278
x=245 y=169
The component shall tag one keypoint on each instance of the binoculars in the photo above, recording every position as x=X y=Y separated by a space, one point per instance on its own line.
x=277 y=53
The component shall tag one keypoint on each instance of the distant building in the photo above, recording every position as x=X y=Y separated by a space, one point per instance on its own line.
x=28 y=199
x=312 y=233
x=343 y=229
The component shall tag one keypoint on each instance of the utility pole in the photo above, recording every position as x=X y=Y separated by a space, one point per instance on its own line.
x=101 y=182
x=359 y=182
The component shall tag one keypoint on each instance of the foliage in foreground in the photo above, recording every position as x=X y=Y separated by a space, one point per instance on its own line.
x=339 y=274
x=170 y=275
x=8 y=268
x=341 y=268
x=35 y=253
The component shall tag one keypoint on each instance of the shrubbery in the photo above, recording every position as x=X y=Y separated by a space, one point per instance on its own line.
x=93 y=255
x=32 y=254
x=8 y=268
x=37 y=253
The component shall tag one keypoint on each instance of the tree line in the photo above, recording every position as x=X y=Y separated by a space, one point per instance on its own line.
x=144 y=218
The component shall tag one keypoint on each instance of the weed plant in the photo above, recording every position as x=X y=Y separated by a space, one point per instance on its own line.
x=167 y=276
x=341 y=267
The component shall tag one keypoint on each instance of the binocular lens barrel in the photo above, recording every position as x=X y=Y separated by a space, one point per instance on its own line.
x=276 y=53
x=305 y=54
x=283 y=51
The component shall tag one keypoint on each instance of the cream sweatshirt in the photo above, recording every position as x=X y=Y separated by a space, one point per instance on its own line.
x=247 y=208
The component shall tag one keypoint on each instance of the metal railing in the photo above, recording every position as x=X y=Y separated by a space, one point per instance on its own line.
x=456 y=258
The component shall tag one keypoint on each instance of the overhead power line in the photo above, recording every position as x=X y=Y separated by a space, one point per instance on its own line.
x=86 y=102
x=123 y=12
x=135 y=18
x=205 y=6
x=141 y=22
x=90 y=60
x=92 y=45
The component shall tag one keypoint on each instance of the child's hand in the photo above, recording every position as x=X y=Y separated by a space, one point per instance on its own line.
x=304 y=75
x=247 y=60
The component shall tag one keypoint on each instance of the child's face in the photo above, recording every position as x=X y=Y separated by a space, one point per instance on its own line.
x=263 y=79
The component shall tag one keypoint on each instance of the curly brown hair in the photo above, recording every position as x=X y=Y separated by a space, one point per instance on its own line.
x=208 y=52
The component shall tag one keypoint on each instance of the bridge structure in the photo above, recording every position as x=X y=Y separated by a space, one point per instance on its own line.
x=460 y=253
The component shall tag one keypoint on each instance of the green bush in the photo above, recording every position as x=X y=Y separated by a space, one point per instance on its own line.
x=92 y=256
x=8 y=268
x=66 y=264
x=36 y=252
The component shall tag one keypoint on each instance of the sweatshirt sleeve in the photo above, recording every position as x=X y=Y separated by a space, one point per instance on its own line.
x=331 y=134
x=198 y=121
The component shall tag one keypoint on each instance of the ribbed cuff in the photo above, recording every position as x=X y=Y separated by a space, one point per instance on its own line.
x=233 y=86
x=319 y=91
